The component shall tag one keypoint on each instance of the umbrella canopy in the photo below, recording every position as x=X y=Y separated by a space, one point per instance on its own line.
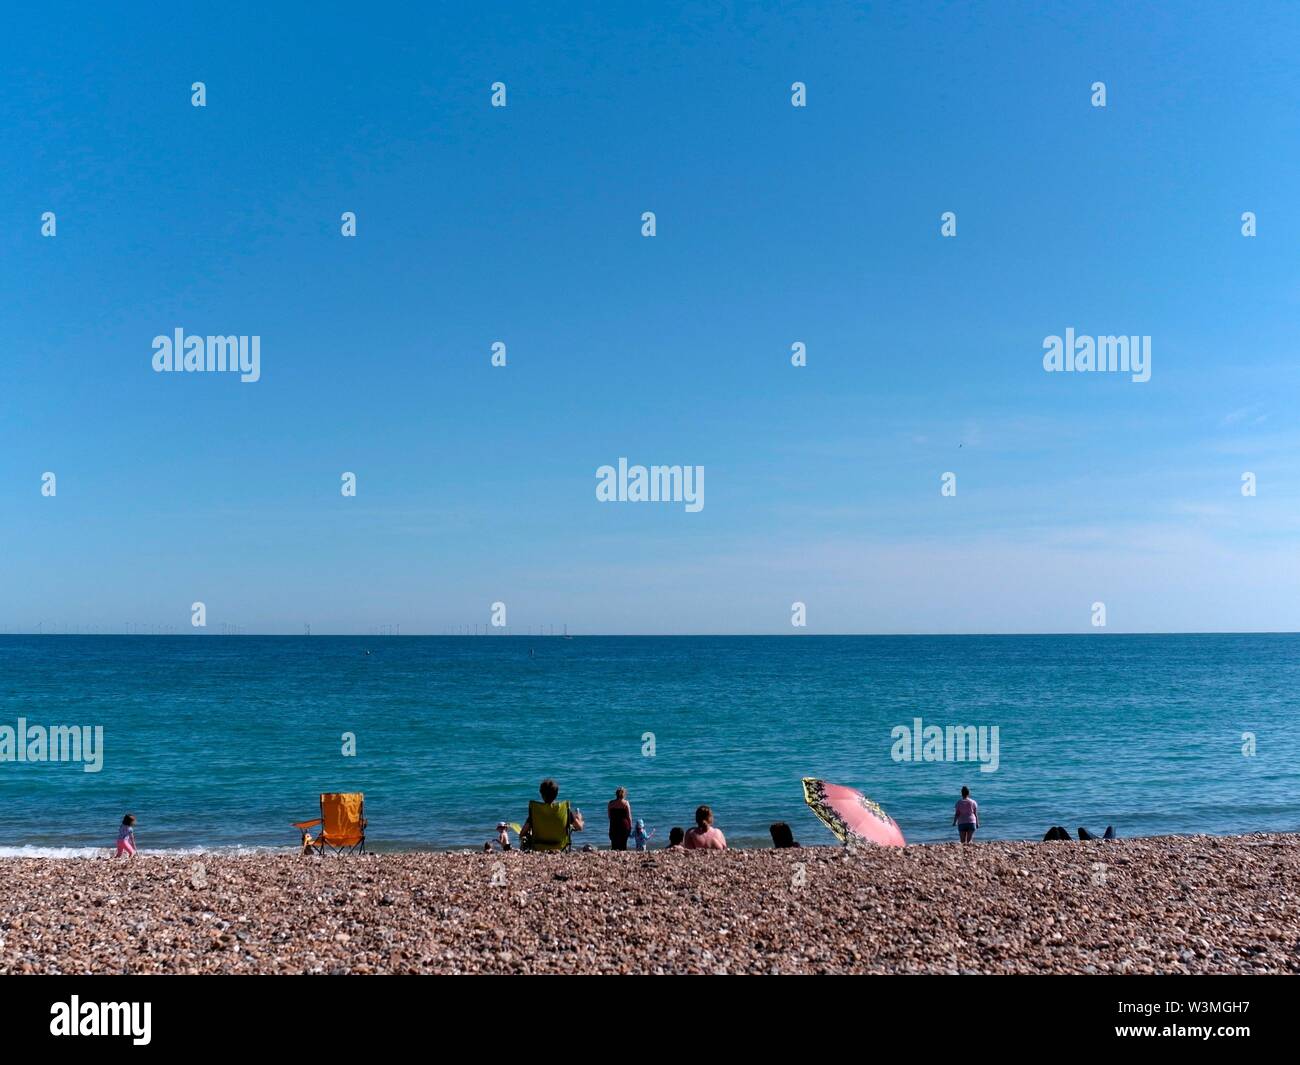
x=850 y=814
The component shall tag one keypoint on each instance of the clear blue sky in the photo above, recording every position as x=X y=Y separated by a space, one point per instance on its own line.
x=775 y=225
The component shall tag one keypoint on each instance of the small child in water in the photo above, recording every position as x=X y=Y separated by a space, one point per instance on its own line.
x=638 y=837
x=503 y=835
x=675 y=838
x=126 y=837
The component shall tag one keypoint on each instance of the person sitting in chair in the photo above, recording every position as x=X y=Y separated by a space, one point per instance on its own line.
x=550 y=824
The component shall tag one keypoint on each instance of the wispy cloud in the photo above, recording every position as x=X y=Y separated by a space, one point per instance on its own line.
x=1243 y=416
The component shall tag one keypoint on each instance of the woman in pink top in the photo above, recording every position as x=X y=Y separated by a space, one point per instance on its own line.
x=966 y=817
x=704 y=836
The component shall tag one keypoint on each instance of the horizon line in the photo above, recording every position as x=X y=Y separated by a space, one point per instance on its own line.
x=646 y=635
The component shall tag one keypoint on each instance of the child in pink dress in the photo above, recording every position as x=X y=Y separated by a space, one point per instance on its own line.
x=126 y=837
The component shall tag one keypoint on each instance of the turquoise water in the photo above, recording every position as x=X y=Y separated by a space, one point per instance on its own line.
x=222 y=741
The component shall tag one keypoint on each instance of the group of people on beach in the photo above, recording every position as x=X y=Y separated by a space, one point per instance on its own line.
x=703 y=835
x=625 y=831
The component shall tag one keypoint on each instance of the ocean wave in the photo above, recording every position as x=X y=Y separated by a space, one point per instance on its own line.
x=30 y=850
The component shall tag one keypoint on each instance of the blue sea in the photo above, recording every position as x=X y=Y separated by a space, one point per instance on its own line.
x=221 y=742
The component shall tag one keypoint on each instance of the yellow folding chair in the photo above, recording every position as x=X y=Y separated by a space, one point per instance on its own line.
x=550 y=823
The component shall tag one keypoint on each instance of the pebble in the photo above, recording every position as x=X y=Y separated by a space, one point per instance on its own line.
x=1171 y=904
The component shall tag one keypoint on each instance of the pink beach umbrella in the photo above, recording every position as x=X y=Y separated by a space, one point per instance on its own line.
x=850 y=814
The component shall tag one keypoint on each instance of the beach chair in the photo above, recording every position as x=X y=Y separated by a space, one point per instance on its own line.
x=550 y=821
x=343 y=825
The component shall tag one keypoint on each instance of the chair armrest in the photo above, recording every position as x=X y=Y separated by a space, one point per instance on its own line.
x=307 y=824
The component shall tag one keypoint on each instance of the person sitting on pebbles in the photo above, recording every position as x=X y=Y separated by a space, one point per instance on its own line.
x=704 y=837
x=551 y=824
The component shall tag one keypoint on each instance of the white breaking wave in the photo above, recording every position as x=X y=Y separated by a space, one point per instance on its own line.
x=36 y=851
x=30 y=851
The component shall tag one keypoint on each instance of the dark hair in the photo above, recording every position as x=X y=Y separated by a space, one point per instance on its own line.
x=129 y=819
x=703 y=815
x=620 y=793
x=965 y=793
x=550 y=790
x=676 y=836
x=781 y=835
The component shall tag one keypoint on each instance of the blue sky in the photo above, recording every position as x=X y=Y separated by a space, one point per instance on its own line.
x=775 y=224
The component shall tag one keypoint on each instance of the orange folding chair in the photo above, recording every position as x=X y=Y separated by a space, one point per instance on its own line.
x=342 y=824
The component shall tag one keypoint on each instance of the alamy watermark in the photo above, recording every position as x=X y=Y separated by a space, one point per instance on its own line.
x=77 y=1018
x=1082 y=354
x=179 y=353
x=57 y=743
x=651 y=484
x=951 y=743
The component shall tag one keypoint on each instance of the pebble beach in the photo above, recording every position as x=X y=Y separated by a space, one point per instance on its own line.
x=1162 y=905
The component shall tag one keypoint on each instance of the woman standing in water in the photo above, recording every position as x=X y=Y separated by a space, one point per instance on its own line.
x=966 y=817
x=620 y=820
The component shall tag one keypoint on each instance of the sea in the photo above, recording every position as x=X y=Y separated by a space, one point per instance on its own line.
x=221 y=742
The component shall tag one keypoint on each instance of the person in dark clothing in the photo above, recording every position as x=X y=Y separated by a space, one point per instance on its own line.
x=1056 y=832
x=782 y=836
x=620 y=820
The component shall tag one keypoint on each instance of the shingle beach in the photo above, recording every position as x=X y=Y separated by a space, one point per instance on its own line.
x=1194 y=904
